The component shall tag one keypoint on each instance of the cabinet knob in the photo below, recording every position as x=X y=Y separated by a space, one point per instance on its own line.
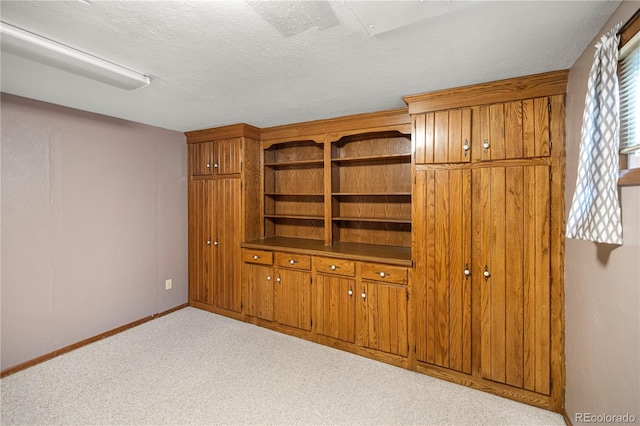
x=215 y=243
x=268 y=277
x=208 y=242
x=278 y=279
x=333 y=267
x=486 y=145
x=486 y=273
x=363 y=295
x=465 y=147
x=382 y=274
x=256 y=257
x=215 y=166
x=293 y=262
x=350 y=292
x=208 y=165
x=467 y=272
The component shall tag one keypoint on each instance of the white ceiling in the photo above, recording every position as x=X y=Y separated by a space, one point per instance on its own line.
x=214 y=63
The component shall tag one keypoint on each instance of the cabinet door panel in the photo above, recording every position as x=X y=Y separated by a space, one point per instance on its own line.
x=227 y=156
x=382 y=317
x=200 y=242
x=518 y=129
x=442 y=289
x=259 y=283
x=293 y=298
x=336 y=307
x=512 y=247
x=201 y=158
x=441 y=137
x=227 y=251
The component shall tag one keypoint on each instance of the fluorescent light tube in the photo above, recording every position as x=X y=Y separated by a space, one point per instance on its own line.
x=39 y=49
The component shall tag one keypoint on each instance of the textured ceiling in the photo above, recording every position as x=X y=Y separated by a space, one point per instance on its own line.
x=214 y=63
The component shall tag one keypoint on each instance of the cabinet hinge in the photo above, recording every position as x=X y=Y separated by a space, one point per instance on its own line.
x=407 y=296
x=310 y=280
x=240 y=184
x=311 y=322
x=550 y=175
x=550 y=145
x=549 y=106
x=550 y=384
x=550 y=280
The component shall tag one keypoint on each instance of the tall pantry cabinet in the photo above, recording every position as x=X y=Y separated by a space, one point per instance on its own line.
x=224 y=188
x=487 y=218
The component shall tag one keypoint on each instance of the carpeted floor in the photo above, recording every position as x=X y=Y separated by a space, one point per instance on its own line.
x=194 y=367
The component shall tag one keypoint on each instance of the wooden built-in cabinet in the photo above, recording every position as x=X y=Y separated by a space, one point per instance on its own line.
x=430 y=238
x=488 y=237
x=224 y=176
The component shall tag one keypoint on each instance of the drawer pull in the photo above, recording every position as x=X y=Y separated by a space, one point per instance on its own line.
x=383 y=274
x=256 y=257
x=486 y=145
x=293 y=262
x=334 y=267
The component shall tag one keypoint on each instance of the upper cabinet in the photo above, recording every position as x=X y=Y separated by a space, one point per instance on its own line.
x=443 y=136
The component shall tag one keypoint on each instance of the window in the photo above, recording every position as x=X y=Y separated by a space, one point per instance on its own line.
x=629 y=78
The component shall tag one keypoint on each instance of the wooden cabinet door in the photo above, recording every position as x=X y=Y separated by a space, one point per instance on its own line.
x=518 y=129
x=381 y=317
x=259 y=280
x=442 y=282
x=443 y=137
x=200 y=242
x=227 y=156
x=226 y=245
x=201 y=158
x=293 y=298
x=335 y=312
x=511 y=269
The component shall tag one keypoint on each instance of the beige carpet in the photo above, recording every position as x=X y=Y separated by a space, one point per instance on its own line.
x=193 y=367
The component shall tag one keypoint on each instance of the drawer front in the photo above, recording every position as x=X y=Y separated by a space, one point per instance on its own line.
x=293 y=260
x=385 y=273
x=261 y=257
x=327 y=265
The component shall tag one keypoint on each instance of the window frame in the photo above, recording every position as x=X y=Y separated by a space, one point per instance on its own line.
x=628 y=176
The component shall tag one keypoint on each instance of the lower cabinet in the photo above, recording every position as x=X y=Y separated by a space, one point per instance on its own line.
x=381 y=311
x=358 y=303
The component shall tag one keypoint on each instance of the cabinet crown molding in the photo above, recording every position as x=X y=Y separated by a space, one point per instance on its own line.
x=546 y=84
x=239 y=130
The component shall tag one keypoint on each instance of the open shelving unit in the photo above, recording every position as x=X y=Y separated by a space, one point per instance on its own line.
x=294 y=190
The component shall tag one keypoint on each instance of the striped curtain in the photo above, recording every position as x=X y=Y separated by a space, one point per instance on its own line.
x=595 y=211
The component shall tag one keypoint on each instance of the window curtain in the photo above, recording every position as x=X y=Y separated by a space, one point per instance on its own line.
x=595 y=211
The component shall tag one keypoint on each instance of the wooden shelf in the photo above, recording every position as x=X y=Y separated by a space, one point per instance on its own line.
x=299 y=163
x=370 y=219
x=296 y=217
x=371 y=194
x=370 y=158
x=393 y=255
x=293 y=194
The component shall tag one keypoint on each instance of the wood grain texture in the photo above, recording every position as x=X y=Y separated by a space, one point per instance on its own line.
x=227 y=156
x=292 y=295
x=200 y=241
x=551 y=83
x=252 y=181
x=397 y=119
x=335 y=306
x=258 y=281
x=201 y=159
x=224 y=132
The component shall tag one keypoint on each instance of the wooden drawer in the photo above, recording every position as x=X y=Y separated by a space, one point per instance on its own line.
x=386 y=273
x=335 y=266
x=293 y=260
x=257 y=256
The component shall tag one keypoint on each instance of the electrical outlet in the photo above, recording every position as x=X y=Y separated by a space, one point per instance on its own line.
x=168 y=284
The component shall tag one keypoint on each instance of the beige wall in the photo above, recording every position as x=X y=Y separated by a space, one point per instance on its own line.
x=94 y=219
x=602 y=284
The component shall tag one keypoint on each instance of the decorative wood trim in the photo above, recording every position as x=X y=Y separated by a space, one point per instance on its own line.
x=233 y=131
x=315 y=130
x=566 y=417
x=547 y=84
x=629 y=29
x=216 y=310
x=35 y=361
x=629 y=177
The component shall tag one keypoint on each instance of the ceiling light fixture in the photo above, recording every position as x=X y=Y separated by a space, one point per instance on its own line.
x=39 y=49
